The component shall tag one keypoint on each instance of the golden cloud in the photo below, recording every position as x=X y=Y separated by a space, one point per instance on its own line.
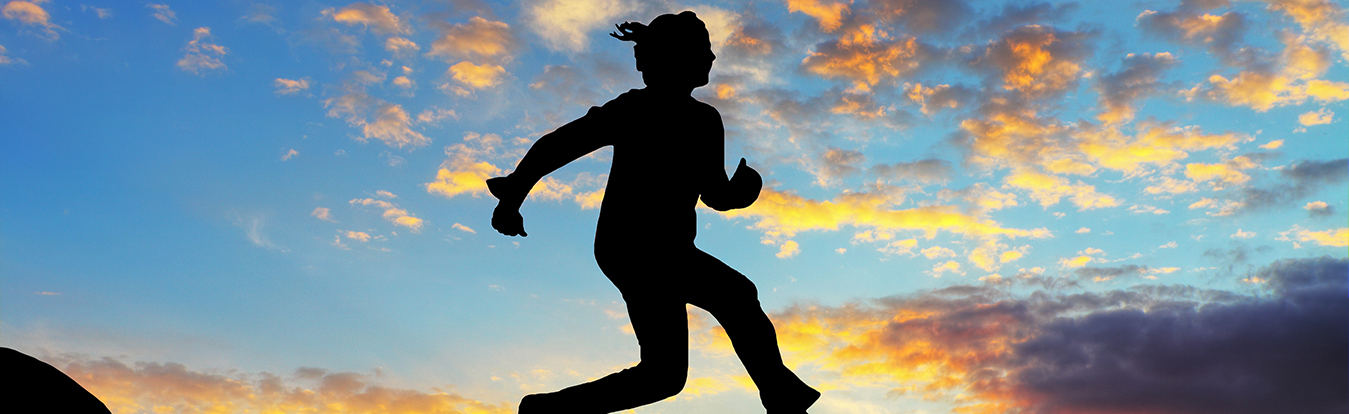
x=1321 y=117
x=1228 y=172
x=1333 y=237
x=393 y=126
x=392 y=213
x=377 y=18
x=1293 y=83
x=567 y=25
x=1049 y=189
x=1322 y=20
x=783 y=214
x=477 y=76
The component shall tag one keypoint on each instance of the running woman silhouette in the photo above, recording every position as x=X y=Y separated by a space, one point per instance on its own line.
x=668 y=152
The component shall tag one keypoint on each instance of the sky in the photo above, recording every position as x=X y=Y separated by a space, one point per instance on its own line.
x=969 y=206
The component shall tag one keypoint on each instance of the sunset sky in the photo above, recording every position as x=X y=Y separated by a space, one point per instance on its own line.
x=969 y=206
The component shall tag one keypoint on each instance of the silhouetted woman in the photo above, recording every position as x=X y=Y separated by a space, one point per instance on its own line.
x=668 y=152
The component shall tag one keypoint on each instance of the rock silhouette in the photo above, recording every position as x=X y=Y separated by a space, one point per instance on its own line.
x=668 y=153
x=38 y=387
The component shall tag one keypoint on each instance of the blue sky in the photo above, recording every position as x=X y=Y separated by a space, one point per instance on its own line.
x=234 y=191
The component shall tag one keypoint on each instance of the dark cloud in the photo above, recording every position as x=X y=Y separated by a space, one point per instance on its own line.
x=1164 y=349
x=924 y=16
x=1101 y=274
x=1188 y=27
x=1014 y=15
x=1036 y=61
x=1302 y=179
x=1139 y=78
x=1280 y=354
x=926 y=171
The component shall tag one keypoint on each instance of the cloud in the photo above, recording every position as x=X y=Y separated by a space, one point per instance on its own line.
x=1037 y=61
x=1243 y=234
x=392 y=124
x=392 y=213
x=937 y=252
x=1082 y=230
x=830 y=14
x=400 y=46
x=147 y=386
x=462 y=228
x=478 y=39
x=1272 y=145
x=162 y=13
x=1145 y=209
x=1319 y=209
x=1321 y=117
x=289 y=86
x=1333 y=237
x=1219 y=33
x=1321 y=20
x=935 y=99
x=1173 y=349
x=201 y=55
x=1228 y=171
x=1294 y=81
x=867 y=55
x=289 y=154
x=1299 y=180
x=466 y=169
x=1137 y=80
x=1020 y=14
x=783 y=214
x=925 y=171
x=1049 y=189
x=358 y=236
x=377 y=18
x=29 y=13
x=323 y=214
x=567 y=26
x=102 y=13
x=6 y=60
x=477 y=76
x=788 y=249
x=924 y=16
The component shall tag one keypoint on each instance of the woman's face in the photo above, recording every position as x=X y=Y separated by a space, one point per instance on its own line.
x=689 y=70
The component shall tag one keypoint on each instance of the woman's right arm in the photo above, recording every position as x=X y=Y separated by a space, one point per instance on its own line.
x=552 y=151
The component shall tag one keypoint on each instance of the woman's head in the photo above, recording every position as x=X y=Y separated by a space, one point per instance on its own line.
x=673 y=50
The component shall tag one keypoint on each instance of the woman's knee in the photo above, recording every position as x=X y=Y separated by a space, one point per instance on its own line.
x=664 y=380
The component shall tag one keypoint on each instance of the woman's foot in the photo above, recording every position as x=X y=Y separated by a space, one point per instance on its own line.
x=794 y=402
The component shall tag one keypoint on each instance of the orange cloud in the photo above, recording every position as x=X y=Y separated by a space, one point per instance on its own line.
x=1159 y=144
x=478 y=39
x=173 y=387
x=401 y=46
x=289 y=86
x=31 y=14
x=1037 y=61
x=466 y=171
x=829 y=14
x=569 y=25
x=202 y=55
x=866 y=55
x=377 y=18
